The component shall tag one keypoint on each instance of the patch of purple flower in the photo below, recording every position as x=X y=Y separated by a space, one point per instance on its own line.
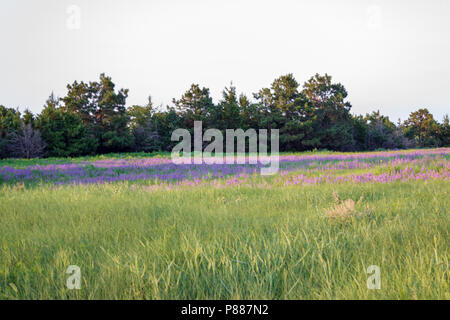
x=320 y=168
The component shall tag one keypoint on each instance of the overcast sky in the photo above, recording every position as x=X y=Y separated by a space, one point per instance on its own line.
x=390 y=55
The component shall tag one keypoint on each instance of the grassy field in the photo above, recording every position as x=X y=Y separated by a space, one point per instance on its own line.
x=239 y=242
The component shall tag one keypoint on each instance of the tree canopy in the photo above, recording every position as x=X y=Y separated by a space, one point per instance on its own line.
x=93 y=118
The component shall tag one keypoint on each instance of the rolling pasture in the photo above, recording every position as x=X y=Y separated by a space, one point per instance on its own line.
x=140 y=227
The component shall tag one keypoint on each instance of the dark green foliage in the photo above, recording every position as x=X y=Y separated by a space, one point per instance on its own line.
x=93 y=119
x=445 y=132
x=64 y=132
x=284 y=107
x=423 y=129
x=9 y=123
x=28 y=117
x=146 y=137
x=228 y=112
x=165 y=123
x=381 y=133
x=196 y=105
x=102 y=111
x=139 y=115
x=333 y=124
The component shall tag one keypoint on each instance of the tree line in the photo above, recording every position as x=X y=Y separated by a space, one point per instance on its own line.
x=93 y=119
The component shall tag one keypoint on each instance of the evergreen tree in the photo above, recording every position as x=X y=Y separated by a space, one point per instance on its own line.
x=167 y=122
x=146 y=137
x=63 y=132
x=28 y=117
x=333 y=125
x=228 y=115
x=445 y=132
x=9 y=123
x=196 y=104
x=422 y=128
x=102 y=111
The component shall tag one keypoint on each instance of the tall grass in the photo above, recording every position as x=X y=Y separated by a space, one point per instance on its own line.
x=232 y=243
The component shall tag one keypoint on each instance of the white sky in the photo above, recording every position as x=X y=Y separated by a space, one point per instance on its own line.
x=390 y=55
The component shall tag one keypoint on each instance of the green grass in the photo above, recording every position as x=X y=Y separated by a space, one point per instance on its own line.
x=234 y=243
x=52 y=160
x=11 y=162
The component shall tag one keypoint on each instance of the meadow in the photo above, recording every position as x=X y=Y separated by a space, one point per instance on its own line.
x=141 y=227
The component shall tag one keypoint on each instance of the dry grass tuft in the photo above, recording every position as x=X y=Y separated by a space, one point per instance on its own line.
x=344 y=210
